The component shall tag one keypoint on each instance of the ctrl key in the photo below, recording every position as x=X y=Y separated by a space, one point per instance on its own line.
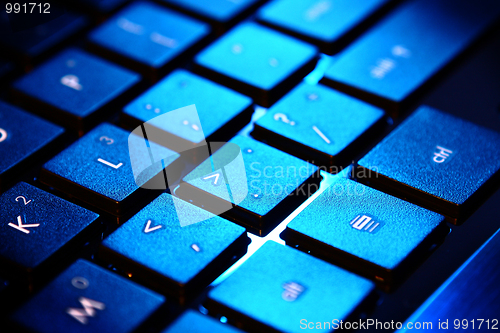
x=282 y=289
x=87 y=298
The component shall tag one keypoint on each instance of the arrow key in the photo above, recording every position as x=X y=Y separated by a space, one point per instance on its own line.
x=36 y=226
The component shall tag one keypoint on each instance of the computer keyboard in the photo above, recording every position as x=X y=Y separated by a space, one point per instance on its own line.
x=247 y=166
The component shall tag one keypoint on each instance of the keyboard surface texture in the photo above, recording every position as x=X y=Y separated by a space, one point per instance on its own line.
x=249 y=165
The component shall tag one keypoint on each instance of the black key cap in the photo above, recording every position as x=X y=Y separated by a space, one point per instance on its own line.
x=148 y=38
x=282 y=289
x=97 y=169
x=256 y=189
x=326 y=23
x=392 y=63
x=72 y=88
x=436 y=161
x=32 y=35
x=87 y=298
x=257 y=61
x=319 y=125
x=455 y=306
x=192 y=255
x=221 y=111
x=221 y=13
x=365 y=230
x=194 y=322
x=36 y=225
x=26 y=135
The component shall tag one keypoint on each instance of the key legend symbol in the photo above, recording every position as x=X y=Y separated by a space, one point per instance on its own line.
x=21 y=227
x=149 y=229
x=292 y=291
x=214 y=178
x=89 y=307
x=282 y=117
x=366 y=223
x=71 y=81
x=323 y=136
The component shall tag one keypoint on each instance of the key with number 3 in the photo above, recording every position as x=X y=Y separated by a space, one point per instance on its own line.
x=97 y=170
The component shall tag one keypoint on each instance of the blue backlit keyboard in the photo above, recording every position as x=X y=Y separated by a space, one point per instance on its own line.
x=249 y=165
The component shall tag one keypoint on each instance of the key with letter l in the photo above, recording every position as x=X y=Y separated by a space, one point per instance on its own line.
x=36 y=226
x=436 y=161
x=97 y=170
x=190 y=256
x=257 y=61
x=278 y=287
x=72 y=88
x=88 y=298
x=391 y=64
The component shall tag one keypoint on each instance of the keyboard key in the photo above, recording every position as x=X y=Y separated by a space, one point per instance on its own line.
x=221 y=111
x=365 y=230
x=191 y=255
x=32 y=37
x=97 y=169
x=257 y=61
x=148 y=38
x=194 y=322
x=23 y=139
x=221 y=13
x=319 y=125
x=36 y=225
x=273 y=185
x=282 y=289
x=328 y=24
x=72 y=88
x=393 y=63
x=436 y=161
x=87 y=298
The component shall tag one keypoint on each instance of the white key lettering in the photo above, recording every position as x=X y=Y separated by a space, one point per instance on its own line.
x=441 y=155
x=89 y=307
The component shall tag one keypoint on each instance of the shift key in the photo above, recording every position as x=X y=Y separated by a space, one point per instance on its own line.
x=392 y=64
